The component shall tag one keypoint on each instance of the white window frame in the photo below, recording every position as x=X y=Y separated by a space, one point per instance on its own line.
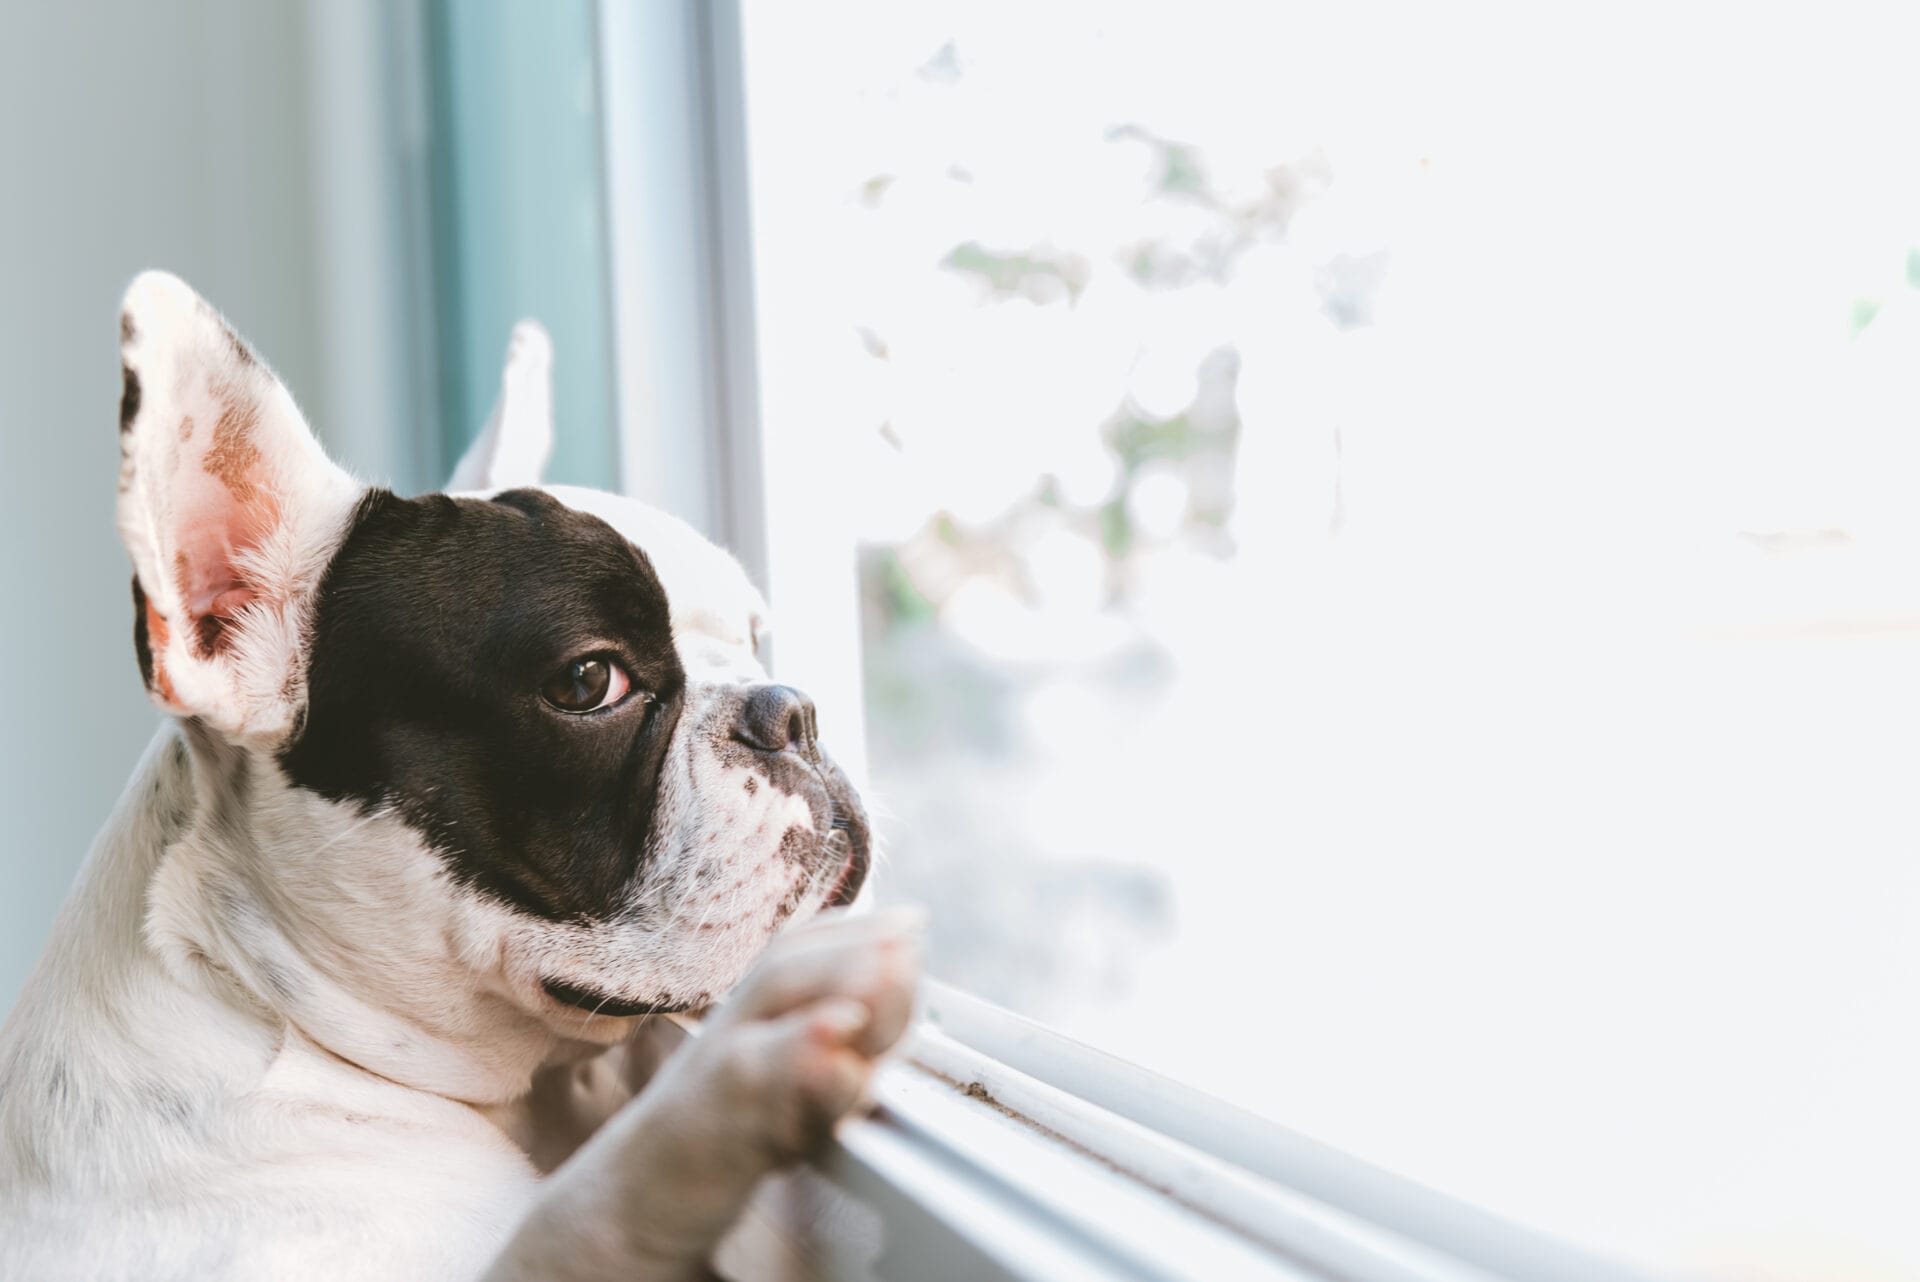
x=997 y=1149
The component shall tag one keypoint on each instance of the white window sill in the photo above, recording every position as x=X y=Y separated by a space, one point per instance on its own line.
x=969 y=1168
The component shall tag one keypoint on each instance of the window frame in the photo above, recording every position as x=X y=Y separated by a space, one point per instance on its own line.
x=997 y=1148
x=690 y=391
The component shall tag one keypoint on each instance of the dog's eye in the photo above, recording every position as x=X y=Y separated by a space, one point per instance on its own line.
x=587 y=684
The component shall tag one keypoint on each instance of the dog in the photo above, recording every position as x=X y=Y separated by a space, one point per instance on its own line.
x=454 y=792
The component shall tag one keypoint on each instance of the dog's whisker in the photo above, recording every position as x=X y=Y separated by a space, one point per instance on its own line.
x=704 y=917
x=348 y=831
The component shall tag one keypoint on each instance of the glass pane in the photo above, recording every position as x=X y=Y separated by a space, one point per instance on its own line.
x=1388 y=565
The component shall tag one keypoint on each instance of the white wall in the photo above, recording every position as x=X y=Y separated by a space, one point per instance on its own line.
x=132 y=135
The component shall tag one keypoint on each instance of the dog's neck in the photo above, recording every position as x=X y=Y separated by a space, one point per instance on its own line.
x=103 y=1035
x=212 y=924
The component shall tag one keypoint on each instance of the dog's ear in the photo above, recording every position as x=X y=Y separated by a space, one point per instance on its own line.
x=512 y=450
x=229 y=509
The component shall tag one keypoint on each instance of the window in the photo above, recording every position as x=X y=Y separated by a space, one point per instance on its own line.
x=1375 y=546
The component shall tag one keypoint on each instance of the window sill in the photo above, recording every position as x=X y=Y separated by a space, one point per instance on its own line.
x=999 y=1150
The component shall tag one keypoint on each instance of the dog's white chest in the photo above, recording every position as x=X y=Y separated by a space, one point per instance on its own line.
x=321 y=1171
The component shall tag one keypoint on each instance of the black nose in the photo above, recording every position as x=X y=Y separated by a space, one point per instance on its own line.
x=776 y=717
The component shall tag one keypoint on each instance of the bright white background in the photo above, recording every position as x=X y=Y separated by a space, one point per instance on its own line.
x=1519 y=789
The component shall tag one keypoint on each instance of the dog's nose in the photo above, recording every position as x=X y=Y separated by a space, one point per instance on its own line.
x=776 y=717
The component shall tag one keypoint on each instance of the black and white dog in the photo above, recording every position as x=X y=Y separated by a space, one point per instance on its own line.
x=455 y=792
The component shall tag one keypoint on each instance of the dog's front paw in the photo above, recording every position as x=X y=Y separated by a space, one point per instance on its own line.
x=792 y=1051
x=787 y=1056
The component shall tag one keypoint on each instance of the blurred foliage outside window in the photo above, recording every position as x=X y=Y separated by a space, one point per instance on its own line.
x=1389 y=571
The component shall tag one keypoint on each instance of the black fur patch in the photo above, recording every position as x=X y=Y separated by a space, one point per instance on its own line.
x=436 y=625
x=129 y=395
x=142 y=645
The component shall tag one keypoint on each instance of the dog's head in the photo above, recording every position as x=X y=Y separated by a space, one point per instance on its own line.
x=484 y=764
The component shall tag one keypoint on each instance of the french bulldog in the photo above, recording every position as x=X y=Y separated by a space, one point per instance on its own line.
x=453 y=794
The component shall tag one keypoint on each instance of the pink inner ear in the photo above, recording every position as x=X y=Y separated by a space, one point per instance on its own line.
x=220 y=510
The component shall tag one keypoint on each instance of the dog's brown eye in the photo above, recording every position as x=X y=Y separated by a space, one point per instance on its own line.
x=587 y=684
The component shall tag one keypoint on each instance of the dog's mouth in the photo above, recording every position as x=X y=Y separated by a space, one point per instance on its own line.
x=848 y=844
x=849 y=854
x=598 y=1003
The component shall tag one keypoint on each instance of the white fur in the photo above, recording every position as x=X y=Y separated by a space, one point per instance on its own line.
x=167 y=1124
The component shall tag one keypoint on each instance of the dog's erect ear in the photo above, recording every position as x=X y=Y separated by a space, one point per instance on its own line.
x=230 y=511
x=512 y=450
